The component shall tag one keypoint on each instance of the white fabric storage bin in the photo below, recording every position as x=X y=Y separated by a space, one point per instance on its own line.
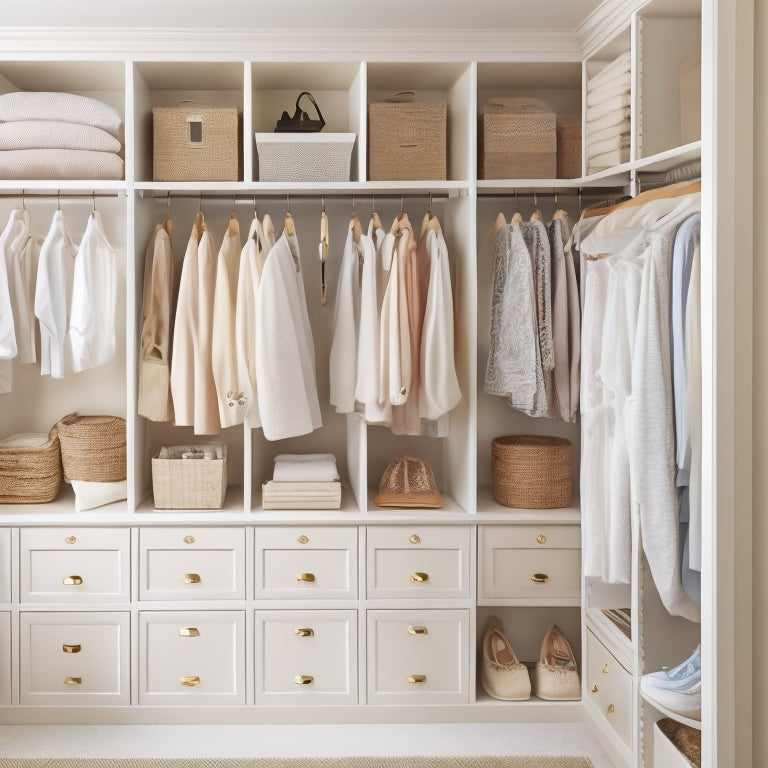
x=304 y=156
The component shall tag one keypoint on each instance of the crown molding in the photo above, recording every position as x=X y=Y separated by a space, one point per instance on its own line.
x=604 y=22
x=119 y=43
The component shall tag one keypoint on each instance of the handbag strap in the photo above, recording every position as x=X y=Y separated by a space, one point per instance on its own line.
x=299 y=111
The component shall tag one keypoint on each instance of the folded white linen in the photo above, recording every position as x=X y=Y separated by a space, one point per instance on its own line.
x=620 y=65
x=69 y=107
x=25 y=440
x=607 y=107
x=59 y=164
x=607 y=160
x=606 y=145
x=607 y=121
x=324 y=495
x=599 y=95
x=89 y=495
x=608 y=133
x=55 y=134
x=305 y=467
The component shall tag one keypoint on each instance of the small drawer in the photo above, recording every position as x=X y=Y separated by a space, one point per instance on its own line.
x=416 y=562
x=306 y=657
x=74 y=658
x=609 y=688
x=418 y=657
x=75 y=565
x=665 y=753
x=5 y=565
x=5 y=658
x=188 y=658
x=294 y=563
x=192 y=564
x=527 y=562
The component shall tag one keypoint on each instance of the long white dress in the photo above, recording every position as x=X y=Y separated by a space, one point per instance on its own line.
x=285 y=353
x=94 y=299
x=223 y=342
x=8 y=346
x=53 y=297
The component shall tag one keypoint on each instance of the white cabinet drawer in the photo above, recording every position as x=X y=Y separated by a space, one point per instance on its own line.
x=75 y=565
x=192 y=563
x=299 y=562
x=5 y=565
x=74 y=659
x=306 y=657
x=540 y=563
x=5 y=658
x=418 y=657
x=609 y=688
x=418 y=562
x=187 y=658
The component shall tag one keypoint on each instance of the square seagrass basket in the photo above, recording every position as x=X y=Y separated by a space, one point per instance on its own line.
x=190 y=476
x=30 y=468
x=531 y=471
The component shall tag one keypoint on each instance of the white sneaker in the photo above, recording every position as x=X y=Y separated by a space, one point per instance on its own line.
x=678 y=689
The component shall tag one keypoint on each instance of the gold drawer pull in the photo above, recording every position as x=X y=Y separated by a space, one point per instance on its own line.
x=417 y=679
x=540 y=578
x=189 y=632
x=189 y=539
x=71 y=648
x=72 y=580
x=191 y=578
x=70 y=539
x=541 y=538
x=190 y=680
x=418 y=577
x=611 y=709
x=303 y=679
x=303 y=539
x=594 y=688
x=414 y=538
x=307 y=577
x=304 y=632
x=417 y=630
x=606 y=668
x=73 y=681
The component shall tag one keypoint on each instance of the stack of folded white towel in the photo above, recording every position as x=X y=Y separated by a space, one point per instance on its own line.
x=58 y=136
x=303 y=481
x=608 y=115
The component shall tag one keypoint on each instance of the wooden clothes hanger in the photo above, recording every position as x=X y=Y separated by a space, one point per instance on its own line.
x=289 y=225
x=660 y=193
x=356 y=228
x=536 y=215
x=200 y=224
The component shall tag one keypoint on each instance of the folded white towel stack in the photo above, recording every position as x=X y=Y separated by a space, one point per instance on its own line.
x=303 y=481
x=608 y=111
x=58 y=136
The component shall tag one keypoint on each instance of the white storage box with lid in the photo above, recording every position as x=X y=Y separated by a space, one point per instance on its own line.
x=304 y=156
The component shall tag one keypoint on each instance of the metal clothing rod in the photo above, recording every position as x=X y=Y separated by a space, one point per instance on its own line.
x=57 y=196
x=247 y=197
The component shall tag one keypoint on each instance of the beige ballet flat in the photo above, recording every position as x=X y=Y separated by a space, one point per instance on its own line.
x=556 y=676
x=502 y=674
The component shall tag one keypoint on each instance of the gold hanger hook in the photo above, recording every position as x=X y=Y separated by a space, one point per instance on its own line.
x=429 y=210
x=402 y=201
x=579 y=191
x=58 y=199
x=322 y=200
x=93 y=196
x=535 y=199
x=168 y=203
x=288 y=202
x=200 y=210
x=254 y=205
x=23 y=203
x=373 y=203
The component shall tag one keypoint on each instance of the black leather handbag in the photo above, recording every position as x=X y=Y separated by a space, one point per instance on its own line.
x=301 y=121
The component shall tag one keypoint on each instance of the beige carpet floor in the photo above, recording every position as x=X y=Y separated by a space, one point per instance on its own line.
x=303 y=762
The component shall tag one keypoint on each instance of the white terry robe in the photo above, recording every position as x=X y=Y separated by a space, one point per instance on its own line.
x=94 y=299
x=285 y=352
x=342 y=362
x=22 y=253
x=440 y=391
x=251 y=263
x=53 y=296
x=8 y=347
x=223 y=342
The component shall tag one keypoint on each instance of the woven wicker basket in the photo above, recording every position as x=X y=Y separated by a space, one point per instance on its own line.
x=190 y=483
x=30 y=474
x=568 y=146
x=519 y=140
x=407 y=141
x=195 y=142
x=93 y=448
x=532 y=471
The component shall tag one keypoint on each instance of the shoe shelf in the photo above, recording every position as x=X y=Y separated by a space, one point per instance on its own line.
x=671 y=713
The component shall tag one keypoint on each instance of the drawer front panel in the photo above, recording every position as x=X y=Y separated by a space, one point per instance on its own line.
x=513 y=565
x=75 y=565
x=191 y=657
x=609 y=688
x=74 y=658
x=5 y=565
x=409 y=562
x=192 y=564
x=294 y=563
x=306 y=657
x=418 y=657
x=5 y=658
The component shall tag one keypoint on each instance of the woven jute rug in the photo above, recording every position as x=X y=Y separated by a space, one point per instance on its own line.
x=300 y=762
